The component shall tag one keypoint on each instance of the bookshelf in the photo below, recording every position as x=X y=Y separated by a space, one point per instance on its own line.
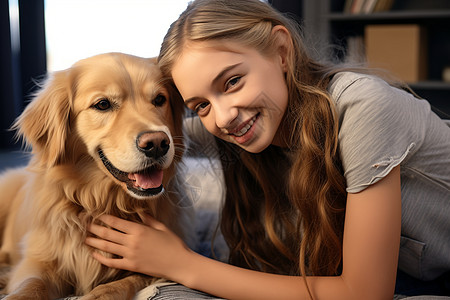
x=332 y=22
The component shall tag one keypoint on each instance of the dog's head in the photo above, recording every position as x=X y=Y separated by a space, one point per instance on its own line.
x=115 y=109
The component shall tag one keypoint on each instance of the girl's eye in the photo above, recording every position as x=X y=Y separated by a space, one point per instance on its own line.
x=159 y=100
x=102 y=104
x=201 y=106
x=232 y=82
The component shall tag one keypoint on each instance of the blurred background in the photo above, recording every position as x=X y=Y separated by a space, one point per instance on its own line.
x=40 y=36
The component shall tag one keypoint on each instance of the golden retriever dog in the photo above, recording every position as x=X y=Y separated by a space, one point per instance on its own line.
x=106 y=137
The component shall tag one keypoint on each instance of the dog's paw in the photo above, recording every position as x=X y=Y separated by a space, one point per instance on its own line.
x=121 y=289
x=88 y=297
x=100 y=297
x=29 y=289
x=20 y=297
x=105 y=292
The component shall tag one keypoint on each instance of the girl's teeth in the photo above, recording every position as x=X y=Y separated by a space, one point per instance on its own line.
x=245 y=128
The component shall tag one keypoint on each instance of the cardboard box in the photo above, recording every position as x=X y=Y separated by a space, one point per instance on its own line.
x=401 y=49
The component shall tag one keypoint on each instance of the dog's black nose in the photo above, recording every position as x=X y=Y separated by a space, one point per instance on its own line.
x=153 y=144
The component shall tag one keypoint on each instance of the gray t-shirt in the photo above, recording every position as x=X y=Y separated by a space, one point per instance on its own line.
x=382 y=127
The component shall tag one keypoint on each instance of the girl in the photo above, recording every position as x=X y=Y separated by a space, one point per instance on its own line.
x=334 y=177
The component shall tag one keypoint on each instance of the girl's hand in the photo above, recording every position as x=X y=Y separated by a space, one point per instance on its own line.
x=149 y=248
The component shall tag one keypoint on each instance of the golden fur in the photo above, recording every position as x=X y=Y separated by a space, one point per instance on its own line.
x=45 y=207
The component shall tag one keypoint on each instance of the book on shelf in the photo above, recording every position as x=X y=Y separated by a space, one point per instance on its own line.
x=367 y=6
x=398 y=48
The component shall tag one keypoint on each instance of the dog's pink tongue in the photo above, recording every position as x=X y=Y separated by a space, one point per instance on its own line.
x=147 y=180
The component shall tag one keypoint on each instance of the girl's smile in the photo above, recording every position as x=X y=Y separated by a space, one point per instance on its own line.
x=239 y=94
x=245 y=131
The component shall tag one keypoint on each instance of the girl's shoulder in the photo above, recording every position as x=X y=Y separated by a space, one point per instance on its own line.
x=370 y=95
x=353 y=83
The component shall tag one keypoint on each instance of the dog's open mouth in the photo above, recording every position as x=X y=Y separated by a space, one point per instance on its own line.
x=144 y=183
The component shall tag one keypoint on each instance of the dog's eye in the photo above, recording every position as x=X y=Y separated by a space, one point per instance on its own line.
x=159 y=100
x=103 y=104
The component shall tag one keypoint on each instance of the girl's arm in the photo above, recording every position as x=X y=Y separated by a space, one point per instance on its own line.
x=370 y=253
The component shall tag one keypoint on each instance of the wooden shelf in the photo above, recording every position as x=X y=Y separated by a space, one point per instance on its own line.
x=326 y=21
x=390 y=16
x=430 y=85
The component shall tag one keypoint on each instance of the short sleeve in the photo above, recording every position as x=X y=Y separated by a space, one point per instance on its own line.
x=380 y=126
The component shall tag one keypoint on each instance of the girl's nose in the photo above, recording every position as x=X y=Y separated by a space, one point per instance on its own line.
x=225 y=116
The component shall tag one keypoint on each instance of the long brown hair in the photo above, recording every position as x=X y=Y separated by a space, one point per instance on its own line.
x=284 y=208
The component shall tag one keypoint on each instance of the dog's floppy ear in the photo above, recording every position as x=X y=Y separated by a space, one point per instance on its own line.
x=44 y=124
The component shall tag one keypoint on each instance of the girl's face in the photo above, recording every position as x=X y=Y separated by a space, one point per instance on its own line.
x=239 y=94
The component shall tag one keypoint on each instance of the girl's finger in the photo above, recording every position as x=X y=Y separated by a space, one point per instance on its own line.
x=109 y=262
x=152 y=222
x=117 y=223
x=105 y=246
x=107 y=233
